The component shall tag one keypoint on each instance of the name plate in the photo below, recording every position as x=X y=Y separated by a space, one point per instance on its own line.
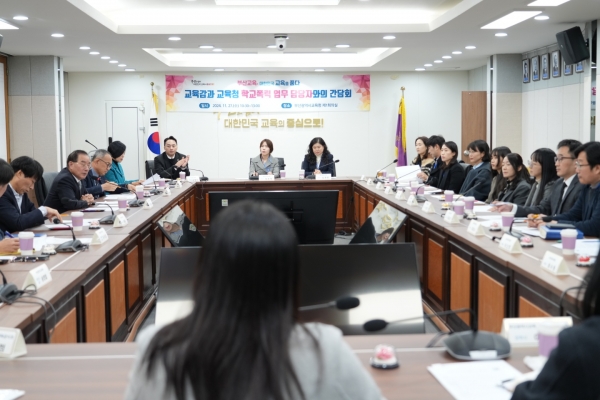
x=428 y=208
x=323 y=177
x=387 y=190
x=369 y=181
x=523 y=332
x=266 y=177
x=121 y=220
x=178 y=184
x=100 y=236
x=554 y=264
x=362 y=177
x=400 y=194
x=167 y=192
x=379 y=186
x=412 y=200
x=510 y=244
x=39 y=276
x=12 y=343
x=451 y=217
x=475 y=228
x=193 y=178
x=147 y=204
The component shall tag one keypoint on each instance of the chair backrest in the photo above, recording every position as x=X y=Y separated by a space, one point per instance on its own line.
x=281 y=163
x=48 y=179
x=149 y=168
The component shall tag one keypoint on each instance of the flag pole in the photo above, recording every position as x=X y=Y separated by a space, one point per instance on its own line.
x=403 y=89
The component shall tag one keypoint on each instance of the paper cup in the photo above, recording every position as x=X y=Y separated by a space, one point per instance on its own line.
x=182 y=176
x=139 y=191
x=77 y=220
x=282 y=174
x=391 y=178
x=449 y=195
x=569 y=239
x=161 y=183
x=469 y=203
x=26 y=243
x=459 y=207
x=122 y=203
x=507 y=220
x=301 y=174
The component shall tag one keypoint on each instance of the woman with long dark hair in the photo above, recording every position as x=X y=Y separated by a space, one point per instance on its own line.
x=542 y=169
x=498 y=182
x=452 y=174
x=423 y=158
x=242 y=339
x=318 y=159
x=517 y=180
x=571 y=370
x=479 y=173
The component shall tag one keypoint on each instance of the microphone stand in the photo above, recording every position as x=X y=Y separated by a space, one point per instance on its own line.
x=312 y=176
x=463 y=194
x=70 y=246
x=202 y=178
x=90 y=143
x=381 y=180
x=109 y=219
x=155 y=190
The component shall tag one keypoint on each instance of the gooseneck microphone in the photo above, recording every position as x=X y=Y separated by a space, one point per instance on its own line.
x=202 y=178
x=343 y=303
x=70 y=246
x=109 y=219
x=155 y=190
x=312 y=176
x=90 y=143
x=377 y=178
x=467 y=191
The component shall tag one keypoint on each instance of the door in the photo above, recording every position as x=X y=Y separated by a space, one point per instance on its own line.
x=474 y=117
x=125 y=123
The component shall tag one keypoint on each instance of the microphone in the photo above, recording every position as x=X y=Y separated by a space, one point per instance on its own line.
x=202 y=178
x=312 y=176
x=90 y=143
x=155 y=190
x=379 y=180
x=70 y=246
x=343 y=303
x=109 y=219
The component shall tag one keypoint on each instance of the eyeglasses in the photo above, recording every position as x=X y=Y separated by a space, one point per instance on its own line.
x=579 y=165
x=559 y=159
x=84 y=164
x=108 y=165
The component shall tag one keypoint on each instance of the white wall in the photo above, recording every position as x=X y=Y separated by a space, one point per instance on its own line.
x=363 y=141
x=3 y=133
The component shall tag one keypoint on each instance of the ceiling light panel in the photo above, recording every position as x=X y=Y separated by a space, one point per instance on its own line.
x=511 y=19
x=547 y=3
x=20 y=18
x=277 y=2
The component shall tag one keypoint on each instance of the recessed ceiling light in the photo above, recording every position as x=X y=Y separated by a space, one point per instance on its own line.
x=542 y=17
x=217 y=50
x=325 y=49
x=511 y=19
x=419 y=69
x=429 y=65
x=129 y=69
x=122 y=65
x=94 y=53
x=457 y=52
x=271 y=46
x=57 y=35
x=113 y=61
x=20 y=18
x=547 y=3
x=174 y=38
x=389 y=37
x=470 y=47
x=6 y=25
x=105 y=58
x=438 y=61
x=84 y=48
x=446 y=57
x=341 y=46
x=277 y=2
x=501 y=34
x=219 y=69
x=319 y=70
x=207 y=46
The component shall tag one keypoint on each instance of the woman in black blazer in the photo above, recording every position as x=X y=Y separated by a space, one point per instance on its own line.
x=318 y=160
x=452 y=175
x=479 y=174
x=518 y=182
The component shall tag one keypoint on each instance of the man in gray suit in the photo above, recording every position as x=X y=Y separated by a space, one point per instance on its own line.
x=564 y=192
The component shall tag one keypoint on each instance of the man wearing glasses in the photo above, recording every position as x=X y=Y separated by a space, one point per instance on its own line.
x=170 y=163
x=94 y=182
x=68 y=191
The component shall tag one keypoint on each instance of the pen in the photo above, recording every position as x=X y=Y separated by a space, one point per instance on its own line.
x=7 y=234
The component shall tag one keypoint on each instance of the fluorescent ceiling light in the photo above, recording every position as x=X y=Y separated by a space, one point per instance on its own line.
x=207 y=46
x=20 y=18
x=319 y=70
x=6 y=25
x=342 y=46
x=113 y=61
x=325 y=49
x=105 y=58
x=389 y=37
x=271 y=46
x=419 y=69
x=174 y=38
x=122 y=65
x=219 y=69
x=457 y=52
x=277 y=2
x=84 y=48
x=217 y=50
x=547 y=3
x=429 y=65
x=511 y=19
x=542 y=17
x=446 y=57
x=501 y=34
x=94 y=53
x=438 y=61
x=129 y=69
x=470 y=47
x=57 y=35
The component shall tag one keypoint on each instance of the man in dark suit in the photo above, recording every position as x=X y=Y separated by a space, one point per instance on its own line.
x=7 y=245
x=67 y=191
x=94 y=182
x=434 y=143
x=17 y=212
x=170 y=163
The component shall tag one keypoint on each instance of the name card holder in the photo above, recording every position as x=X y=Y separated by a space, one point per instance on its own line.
x=400 y=194
x=428 y=208
x=523 y=332
x=554 y=264
x=266 y=177
x=369 y=181
x=167 y=192
x=100 y=236
x=510 y=244
x=323 y=177
x=178 y=184
x=148 y=204
x=362 y=177
x=193 y=179
x=379 y=186
x=388 y=190
x=451 y=218
x=121 y=220
x=39 y=276
x=412 y=200
x=12 y=343
x=475 y=228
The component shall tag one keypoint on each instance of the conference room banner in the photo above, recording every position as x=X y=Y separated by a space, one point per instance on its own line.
x=298 y=92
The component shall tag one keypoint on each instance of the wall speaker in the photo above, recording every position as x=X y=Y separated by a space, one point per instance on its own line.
x=573 y=47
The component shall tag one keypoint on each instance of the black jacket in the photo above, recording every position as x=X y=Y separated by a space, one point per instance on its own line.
x=585 y=213
x=163 y=168
x=93 y=185
x=515 y=192
x=64 y=193
x=12 y=219
x=309 y=168
x=555 y=203
x=451 y=178
x=434 y=172
x=478 y=182
x=571 y=371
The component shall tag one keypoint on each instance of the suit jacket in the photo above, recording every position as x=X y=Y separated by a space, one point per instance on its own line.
x=570 y=372
x=585 y=214
x=93 y=184
x=117 y=175
x=451 y=178
x=555 y=203
x=478 y=182
x=163 y=168
x=65 y=194
x=13 y=219
x=309 y=168
x=434 y=172
x=515 y=192
x=256 y=165
x=532 y=193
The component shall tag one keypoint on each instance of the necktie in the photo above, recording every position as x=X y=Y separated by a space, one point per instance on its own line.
x=564 y=189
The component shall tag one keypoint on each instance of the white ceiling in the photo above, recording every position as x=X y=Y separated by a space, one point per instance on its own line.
x=135 y=32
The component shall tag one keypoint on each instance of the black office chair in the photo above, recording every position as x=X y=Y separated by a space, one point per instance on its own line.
x=149 y=168
x=48 y=179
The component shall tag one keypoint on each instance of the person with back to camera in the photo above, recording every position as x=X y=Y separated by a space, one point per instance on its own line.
x=265 y=163
x=242 y=339
x=318 y=160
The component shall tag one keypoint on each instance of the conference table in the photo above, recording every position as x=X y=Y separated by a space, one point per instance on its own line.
x=102 y=294
x=101 y=370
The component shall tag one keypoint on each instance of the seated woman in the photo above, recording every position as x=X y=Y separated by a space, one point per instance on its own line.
x=479 y=173
x=452 y=174
x=498 y=182
x=115 y=173
x=423 y=159
x=242 y=339
x=570 y=372
x=543 y=170
x=265 y=163
x=318 y=160
x=516 y=176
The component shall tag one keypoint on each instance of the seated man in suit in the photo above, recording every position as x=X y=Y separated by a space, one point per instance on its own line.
x=7 y=245
x=94 y=182
x=564 y=192
x=67 y=191
x=434 y=143
x=170 y=163
x=17 y=212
